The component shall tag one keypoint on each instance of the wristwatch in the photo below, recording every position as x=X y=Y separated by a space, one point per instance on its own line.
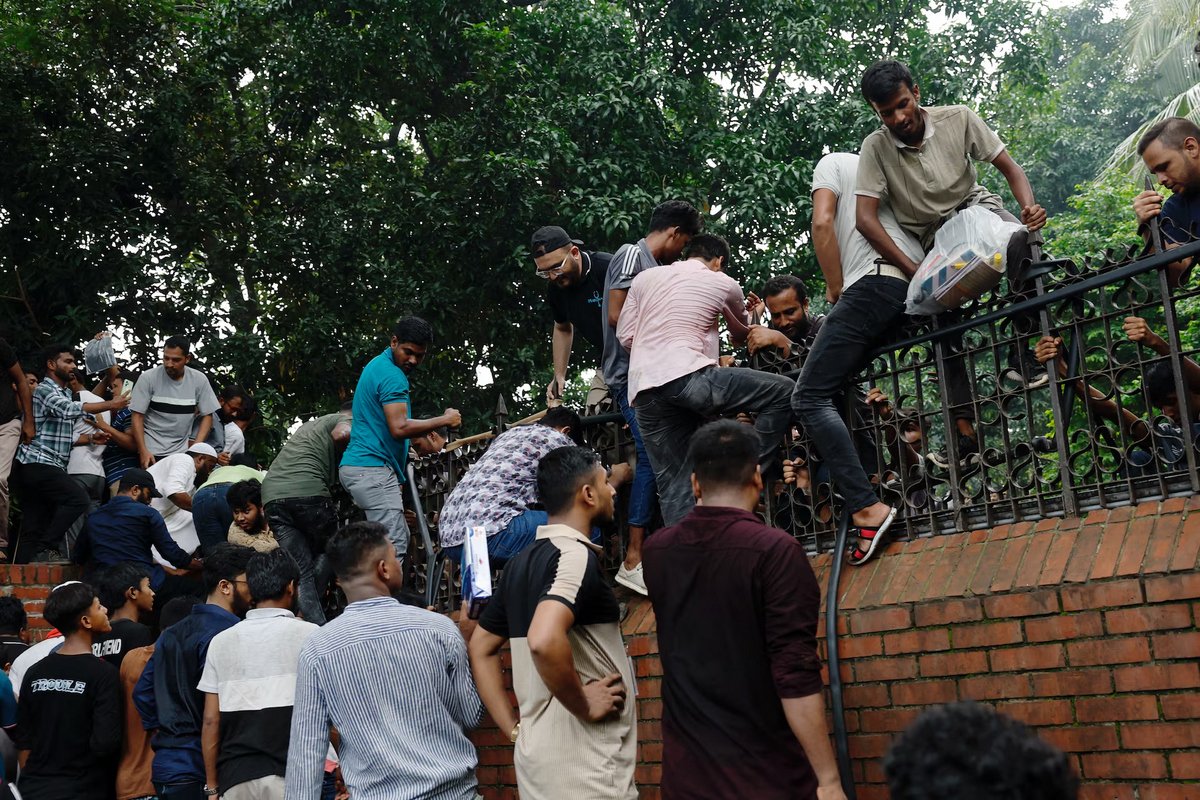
x=512 y=737
x=210 y=791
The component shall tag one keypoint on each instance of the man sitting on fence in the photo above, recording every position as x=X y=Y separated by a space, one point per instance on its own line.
x=1171 y=151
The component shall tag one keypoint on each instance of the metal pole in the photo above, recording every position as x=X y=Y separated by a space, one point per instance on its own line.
x=838 y=710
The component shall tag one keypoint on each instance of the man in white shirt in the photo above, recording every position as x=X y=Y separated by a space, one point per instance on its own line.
x=176 y=476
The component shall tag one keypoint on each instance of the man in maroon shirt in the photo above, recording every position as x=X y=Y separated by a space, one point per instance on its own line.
x=736 y=603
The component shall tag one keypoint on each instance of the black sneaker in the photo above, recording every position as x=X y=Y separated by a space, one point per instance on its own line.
x=49 y=557
x=968 y=454
x=1026 y=370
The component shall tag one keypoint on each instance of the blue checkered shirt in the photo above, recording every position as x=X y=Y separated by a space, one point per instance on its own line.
x=54 y=414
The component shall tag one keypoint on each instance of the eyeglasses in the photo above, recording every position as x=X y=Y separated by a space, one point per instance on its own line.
x=554 y=272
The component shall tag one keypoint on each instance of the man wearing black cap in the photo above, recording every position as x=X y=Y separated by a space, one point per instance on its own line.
x=126 y=527
x=575 y=294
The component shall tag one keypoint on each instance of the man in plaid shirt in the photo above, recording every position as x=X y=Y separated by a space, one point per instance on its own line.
x=50 y=499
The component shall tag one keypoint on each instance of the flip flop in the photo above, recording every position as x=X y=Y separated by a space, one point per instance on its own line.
x=875 y=536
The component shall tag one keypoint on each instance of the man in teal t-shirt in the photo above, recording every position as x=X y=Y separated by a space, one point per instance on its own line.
x=372 y=468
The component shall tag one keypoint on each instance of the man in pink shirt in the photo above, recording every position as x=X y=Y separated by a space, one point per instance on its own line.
x=669 y=326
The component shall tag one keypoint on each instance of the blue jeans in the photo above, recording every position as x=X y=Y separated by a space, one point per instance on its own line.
x=518 y=534
x=865 y=315
x=671 y=413
x=641 y=494
x=211 y=515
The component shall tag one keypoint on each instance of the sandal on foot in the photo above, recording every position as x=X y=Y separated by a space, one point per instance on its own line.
x=874 y=536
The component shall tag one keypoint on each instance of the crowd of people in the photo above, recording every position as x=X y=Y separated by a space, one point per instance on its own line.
x=196 y=659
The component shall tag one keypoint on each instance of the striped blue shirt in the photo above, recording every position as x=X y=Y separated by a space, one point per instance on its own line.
x=396 y=683
x=54 y=414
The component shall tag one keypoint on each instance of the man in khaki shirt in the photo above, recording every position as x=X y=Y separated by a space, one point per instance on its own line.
x=922 y=162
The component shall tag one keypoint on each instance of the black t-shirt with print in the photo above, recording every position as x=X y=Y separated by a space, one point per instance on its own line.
x=581 y=304
x=126 y=635
x=70 y=718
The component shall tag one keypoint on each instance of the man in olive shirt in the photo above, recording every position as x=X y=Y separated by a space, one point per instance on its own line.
x=298 y=503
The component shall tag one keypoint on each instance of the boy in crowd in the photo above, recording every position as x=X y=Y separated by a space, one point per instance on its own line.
x=69 y=717
x=125 y=591
x=249 y=527
x=249 y=683
x=14 y=630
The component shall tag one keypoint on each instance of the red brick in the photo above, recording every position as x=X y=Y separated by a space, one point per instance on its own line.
x=1160 y=736
x=920 y=641
x=887 y=720
x=1188 y=546
x=924 y=693
x=914 y=590
x=1048 y=524
x=1166 y=791
x=1108 y=651
x=860 y=646
x=869 y=745
x=1102 y=595
x=1157 y=677
x=1180 y=706
x=885 y=669
x=985 y=571
x=866 y=696
x=637 y=645
x=988 y=634
x=945 y=565
x=1039 y=712
x=1057 y=558
x=1105 y=564
x=1116 y=709
x=1163 y=589
x=902 y=572
x=872 y=594
x=937 y=665
x=1082 y=738
x=1006 y=573
x=964 y=569
x=1033 y=562
x=1148 y=618
x=1162 y=545
x=1025 y=604
x=1087 y=544
x=1185 y=766
x=1134 y=549
x=881 y=619
x=1172 y=505
x=1064 y=626
x=1124 y=765
x=1042 y=656
x=1070 y=683
x=995 y=687
x=948 y=612
x=998 y=533
x=1106 y=791
x=649 y=666
x=1097 y=516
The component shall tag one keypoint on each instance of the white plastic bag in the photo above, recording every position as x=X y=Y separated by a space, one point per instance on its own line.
x=968 y=257
x=476 y=572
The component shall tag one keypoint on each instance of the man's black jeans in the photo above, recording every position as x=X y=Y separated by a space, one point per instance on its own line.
x=303 y=525
x=50 y=501
x=863 y=317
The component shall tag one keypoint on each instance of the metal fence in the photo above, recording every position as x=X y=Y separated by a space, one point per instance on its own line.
x=1110 y=423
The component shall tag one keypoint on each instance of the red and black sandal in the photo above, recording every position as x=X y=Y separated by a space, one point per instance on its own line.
x=874 y=536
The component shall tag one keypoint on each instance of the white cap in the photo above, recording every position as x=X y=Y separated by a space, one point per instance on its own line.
x=202 y=449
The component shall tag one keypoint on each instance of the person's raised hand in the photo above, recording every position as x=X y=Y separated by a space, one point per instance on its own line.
x=761 y=337
x=146 y=460
x=879 y=401
x=119 y=402
x=789 y=471
x=1147 y=205
x=620 y=473
x=554 y=391
x=1137 y=330
x=1033 y=216
x=453 y=418
x=754 y=305
x=1047 y=348
x=605 y=697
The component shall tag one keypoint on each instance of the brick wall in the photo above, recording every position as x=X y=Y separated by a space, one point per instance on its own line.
x=32 y=584
x=1084 y=628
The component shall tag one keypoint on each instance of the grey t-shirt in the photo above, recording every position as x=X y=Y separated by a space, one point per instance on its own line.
x=628 y=261
x=838 y=172
x=171 y=407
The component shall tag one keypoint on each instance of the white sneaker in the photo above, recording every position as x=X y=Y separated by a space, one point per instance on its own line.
x=633 y=579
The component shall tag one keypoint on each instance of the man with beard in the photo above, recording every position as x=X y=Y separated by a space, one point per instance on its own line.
x=575 y=295
x=786 y=297
x=166 y=696
x=166 y=401
x=1171 y=151
x=50 y=499
x=373 y=466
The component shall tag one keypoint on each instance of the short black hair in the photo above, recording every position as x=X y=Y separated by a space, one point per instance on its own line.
x=883 y=79
x=1171 y=131
x=560 y=474
x=224 y=562
x=781 y=283
x=178 y=343
x=268 y=574
x=676 y=214
x=413 y=330
x=232 y=392
x=347 y=406
x=66 y=605
x=49 y=353
x=114 y=580
x=350 y=548
x=1159 y=380
x=706 y=246
x=176 y=609
x=244 y=494
x=12 y=615
x=243 y=459
x=249 y=409
x=564 y=417
x=968 y=750
x=724 y=453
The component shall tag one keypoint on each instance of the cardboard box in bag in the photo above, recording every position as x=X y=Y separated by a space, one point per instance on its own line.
x=967 y=277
